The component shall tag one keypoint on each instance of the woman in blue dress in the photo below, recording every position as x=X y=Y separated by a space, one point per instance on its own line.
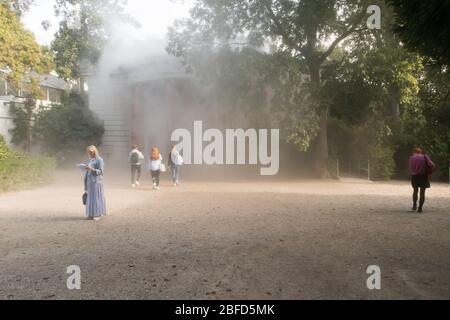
x=93 y=185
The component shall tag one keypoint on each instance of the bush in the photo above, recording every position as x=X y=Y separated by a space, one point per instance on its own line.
x=373 y=142
x=4 y=151
x=68 y=127
x=382 y=164
x=19 y=170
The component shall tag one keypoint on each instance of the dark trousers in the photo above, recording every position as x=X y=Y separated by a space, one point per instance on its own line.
x=155 y=177
x=135 y=173
x=416 y=196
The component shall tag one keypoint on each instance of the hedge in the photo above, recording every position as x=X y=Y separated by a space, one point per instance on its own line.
x=19 y=170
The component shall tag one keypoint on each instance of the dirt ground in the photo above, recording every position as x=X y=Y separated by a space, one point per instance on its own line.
x=257 y=239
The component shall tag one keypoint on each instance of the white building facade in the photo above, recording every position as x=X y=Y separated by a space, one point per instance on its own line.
x=52 y=88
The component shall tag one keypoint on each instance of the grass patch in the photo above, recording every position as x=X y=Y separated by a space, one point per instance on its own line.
x=20 y=171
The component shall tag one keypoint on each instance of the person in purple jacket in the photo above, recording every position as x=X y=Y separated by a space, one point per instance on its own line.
x=421 y=167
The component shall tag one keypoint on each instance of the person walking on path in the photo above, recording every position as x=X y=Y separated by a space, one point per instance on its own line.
x=93 y=185
x=135 y=159
x=175 y=161
x=421 y=167
x=154 y=166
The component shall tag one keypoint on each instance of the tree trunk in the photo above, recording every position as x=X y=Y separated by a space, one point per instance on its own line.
x=321 y=150
x=394 y=105
x=321 y=141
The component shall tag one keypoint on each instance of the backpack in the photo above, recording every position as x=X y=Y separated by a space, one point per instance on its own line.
x=134 y=158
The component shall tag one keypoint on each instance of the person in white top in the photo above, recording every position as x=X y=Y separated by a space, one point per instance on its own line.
x=135 y=159
x=154 y=166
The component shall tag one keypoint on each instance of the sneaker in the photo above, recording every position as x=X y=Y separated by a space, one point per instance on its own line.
x=97 y=218
x=133 y=186
x=157 y=188
x=175 y=184
x=137 y=183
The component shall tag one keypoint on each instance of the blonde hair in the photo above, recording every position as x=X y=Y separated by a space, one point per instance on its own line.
x=94 y=150
x=155 y=155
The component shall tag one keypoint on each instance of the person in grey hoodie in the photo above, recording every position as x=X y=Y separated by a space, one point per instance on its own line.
x=135 y=158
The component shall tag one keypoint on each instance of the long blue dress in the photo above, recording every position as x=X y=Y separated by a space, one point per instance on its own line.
x=93 y=182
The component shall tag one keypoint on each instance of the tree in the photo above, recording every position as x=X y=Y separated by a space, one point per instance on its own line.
x=23 y=118
x=424 y=27
x=67 y=127
x=18 y=6
x=19 y=51
x=304 y=33
x=83 y=32
x=432 y=133
x=374 y=93
x=22 y=58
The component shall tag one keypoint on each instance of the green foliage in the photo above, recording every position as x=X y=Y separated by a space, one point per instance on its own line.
x=393 y=69
x=381 y=84
x=83 y=32
x=71 y=46
x=368 y=141
x=19 y=50
x=18 y=6
x=296 y=32
x=19 y=170
x=23 y=116
x=373 y=141
x=424 y=26
x=369 y=93
x=433 y=129
x=4 y=150
x=67 y=127
x=382 y=164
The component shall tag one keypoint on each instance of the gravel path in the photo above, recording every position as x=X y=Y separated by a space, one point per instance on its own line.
x=258 y=239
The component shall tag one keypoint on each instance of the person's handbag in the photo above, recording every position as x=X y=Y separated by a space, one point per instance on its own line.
x=163 y=168
x=84 y=198
x=180 y=160
x=429 y=168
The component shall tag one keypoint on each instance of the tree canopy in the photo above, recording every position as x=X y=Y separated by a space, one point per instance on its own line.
x=83 y=32
x=18 y=6
x=305 y=33
x=424 y=26
x=67 y=127
x=19 y=51
x=314 y=68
